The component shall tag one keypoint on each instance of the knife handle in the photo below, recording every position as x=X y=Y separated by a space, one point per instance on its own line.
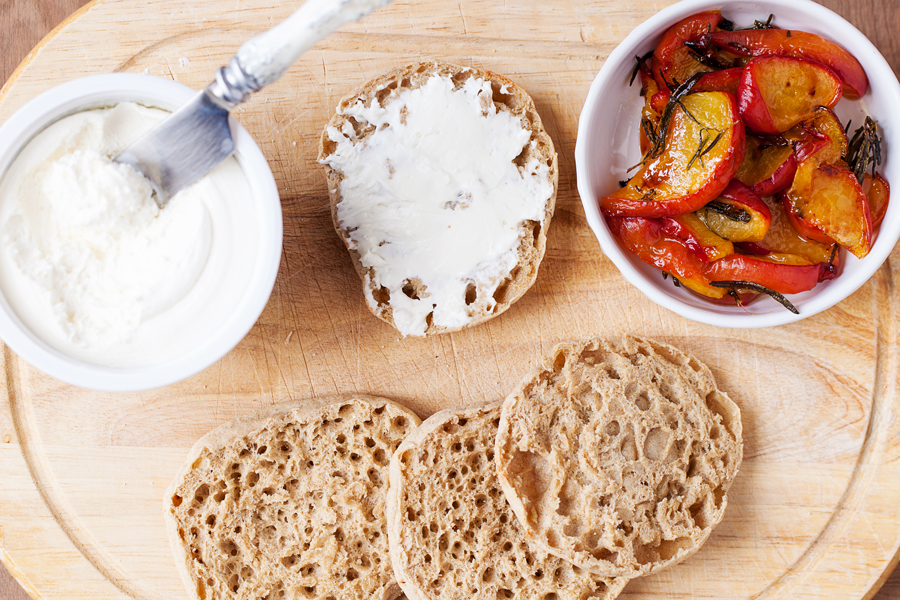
x=264 y=58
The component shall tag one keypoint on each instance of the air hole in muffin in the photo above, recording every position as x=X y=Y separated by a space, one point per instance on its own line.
x=502 y=290
x=459 y=79
x=668 y=549
x=559 y=362
x=605 y=554
x=522 y=159
x=498 y=96
x=382 y=296
x=642 y=401
x=411 y=288
x=697 y=515
x=656 y=443
x=471 y=294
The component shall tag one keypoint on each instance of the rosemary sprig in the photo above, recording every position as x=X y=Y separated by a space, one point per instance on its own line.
x=704 y=150
x=767 y=24
x=641 y=60
x=656 y=134
x=735 y=285
x=649 y=195
x=729 y=211
x=831 y=268
x=864 y=149
x=675 y=281
x=702 y=50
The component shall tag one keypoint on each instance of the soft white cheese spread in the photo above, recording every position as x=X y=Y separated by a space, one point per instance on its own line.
x=89 y=262
x=433 y=196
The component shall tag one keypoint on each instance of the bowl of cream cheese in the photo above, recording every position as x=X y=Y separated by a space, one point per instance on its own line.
x=101 y=288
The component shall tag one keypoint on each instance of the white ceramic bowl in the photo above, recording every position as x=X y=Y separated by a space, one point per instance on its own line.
x=251 y=294
x=608 y=144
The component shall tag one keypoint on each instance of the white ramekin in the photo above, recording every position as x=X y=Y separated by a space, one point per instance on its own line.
x=107 y=90
x=608 y=144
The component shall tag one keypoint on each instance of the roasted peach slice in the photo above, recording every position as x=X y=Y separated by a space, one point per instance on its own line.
x=797 y=44
x=777 y=92
x=783 y=238
x=779 y=273
x=769 y=165
x=646 y=239
x=878 y=193
x=673 y=60
x=704 y=144
x=738 y=215
x=821 y=138
x=826 y=202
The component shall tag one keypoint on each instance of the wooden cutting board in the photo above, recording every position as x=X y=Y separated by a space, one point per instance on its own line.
x=815 y=511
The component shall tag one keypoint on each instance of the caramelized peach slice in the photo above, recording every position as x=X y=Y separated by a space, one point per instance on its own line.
x=646 y=239
x=782 y=238
x=821 y=138
x=826 y=202
x=777 y=274
x=777 y=92
x=878 y=193
x=738 y=215
x=797 y=44
x=704 y=145
x=769 y=165
x=673 y=61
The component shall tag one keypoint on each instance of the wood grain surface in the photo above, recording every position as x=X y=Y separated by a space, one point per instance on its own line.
x=266 y=368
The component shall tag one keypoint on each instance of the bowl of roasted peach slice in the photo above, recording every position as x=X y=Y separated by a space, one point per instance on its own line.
x=733 y=160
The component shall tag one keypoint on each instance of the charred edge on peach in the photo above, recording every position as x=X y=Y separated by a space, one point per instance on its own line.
x=864 y=149
x=739 y=47
x=729 y=211
x=703 y=52
x=755 y=287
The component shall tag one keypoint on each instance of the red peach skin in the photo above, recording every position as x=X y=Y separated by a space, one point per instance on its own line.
x=797 y=44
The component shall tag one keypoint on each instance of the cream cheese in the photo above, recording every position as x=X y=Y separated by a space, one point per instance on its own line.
x=434 y=196
x=89 y=262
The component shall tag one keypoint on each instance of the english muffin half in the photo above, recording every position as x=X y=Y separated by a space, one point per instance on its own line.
x=289 y=503
x=442 y=183
x=617 y=456
x=452 y=533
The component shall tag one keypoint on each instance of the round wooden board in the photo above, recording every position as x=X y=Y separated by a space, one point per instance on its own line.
x=813 y=512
